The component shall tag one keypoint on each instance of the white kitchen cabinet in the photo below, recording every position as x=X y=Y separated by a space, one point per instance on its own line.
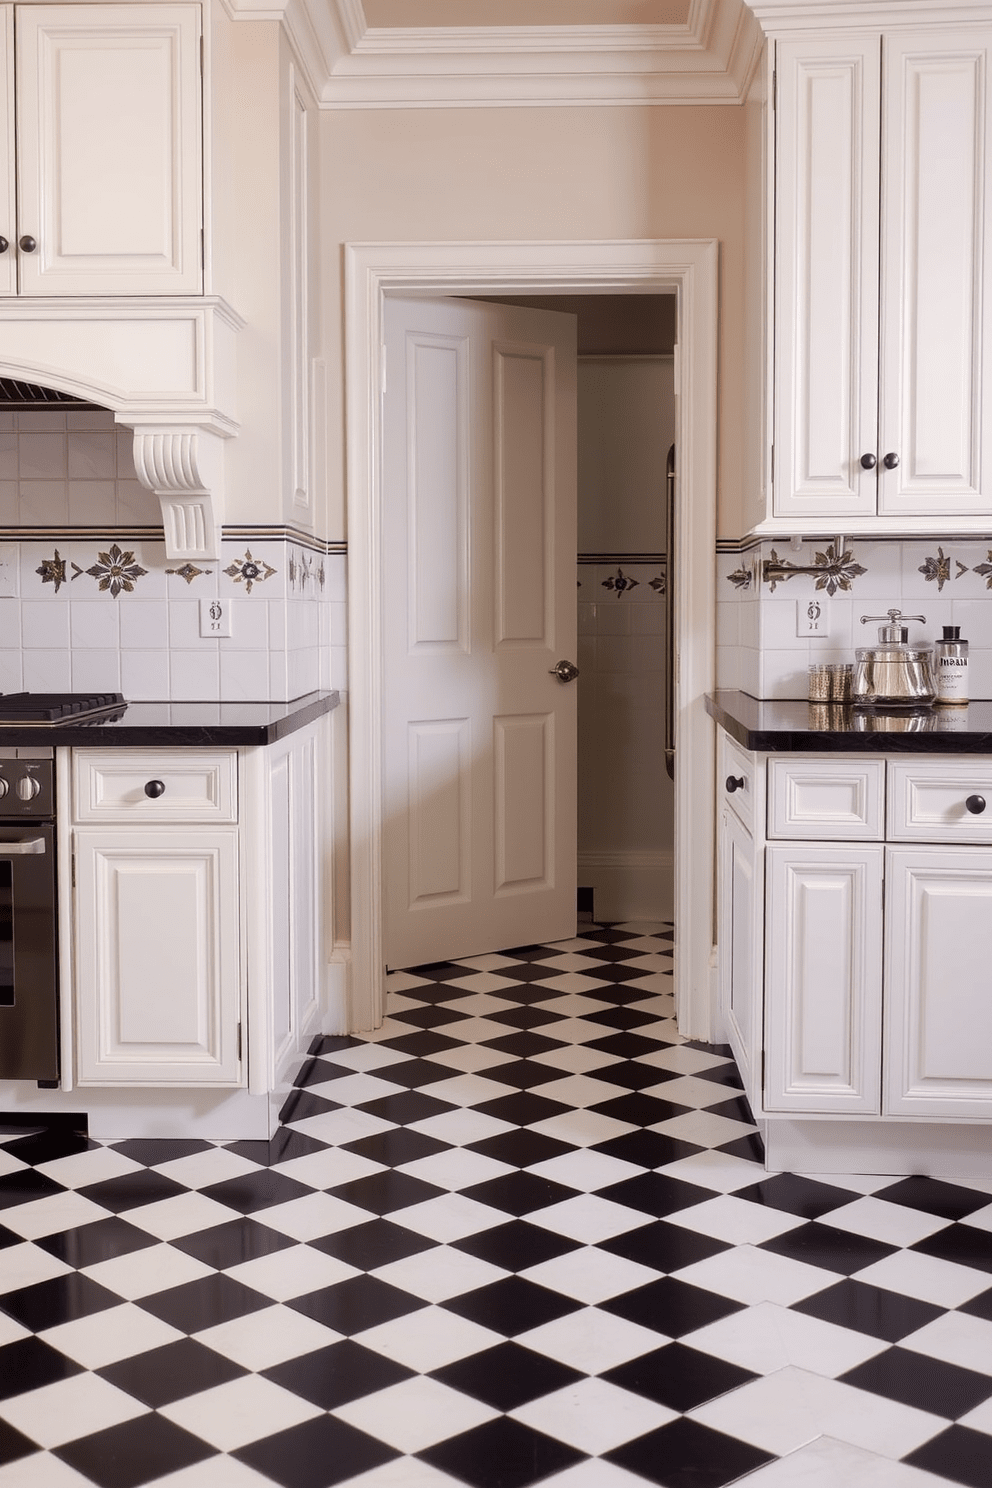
x=8 y=177
x=158 y=964
x=108 y=156
x=882 y=280
x=741 y=901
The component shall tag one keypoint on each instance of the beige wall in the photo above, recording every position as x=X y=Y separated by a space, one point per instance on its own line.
x=509 y=173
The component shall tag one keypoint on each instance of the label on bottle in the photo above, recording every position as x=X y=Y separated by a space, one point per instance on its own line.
x=952 y=672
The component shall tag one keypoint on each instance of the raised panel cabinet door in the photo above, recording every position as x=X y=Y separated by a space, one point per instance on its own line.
x=936 y=273
x=109 y=149
x=938 y=1004
x=8 y=179
x=158 y=986
x=823 y=1007
x=826 y=276
x=741 y=901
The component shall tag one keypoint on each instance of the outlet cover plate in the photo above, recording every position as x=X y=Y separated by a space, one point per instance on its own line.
x=215 y=617
x=811 y=618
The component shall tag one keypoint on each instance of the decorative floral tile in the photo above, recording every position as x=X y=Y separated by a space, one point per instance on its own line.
x=116 y=570
x=249 y=571
x=188 y=571
x=620 y=583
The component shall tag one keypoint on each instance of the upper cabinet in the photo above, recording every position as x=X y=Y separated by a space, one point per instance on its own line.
x=882 y=282
x=103 y=192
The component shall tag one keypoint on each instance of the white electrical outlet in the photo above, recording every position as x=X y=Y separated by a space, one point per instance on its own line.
x=811 y=618
x=215 y=617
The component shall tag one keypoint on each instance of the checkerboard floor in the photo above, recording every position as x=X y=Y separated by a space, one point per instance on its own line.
x=520 y=1234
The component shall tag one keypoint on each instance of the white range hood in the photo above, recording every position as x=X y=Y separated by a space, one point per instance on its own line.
x=167 y=369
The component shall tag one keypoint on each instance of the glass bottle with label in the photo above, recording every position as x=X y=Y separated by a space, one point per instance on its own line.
x=950 y=655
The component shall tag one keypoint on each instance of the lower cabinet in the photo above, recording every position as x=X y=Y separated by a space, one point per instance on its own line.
x=741 y=902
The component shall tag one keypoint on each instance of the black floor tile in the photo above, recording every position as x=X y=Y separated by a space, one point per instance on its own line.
x=522 y=1148
x=618 y=974
x=980 y=1306
x=656 y=1193
x=517 y=1245
x=679 y=1377
x=8 y=1237
x=750 y=1147
x=641 y=1110
x=60 y=1300
x=501 y=1454
x=917 y=1380
x=685 y=1454
x=666 y=1247
x=396 y=1147
x=101 y=1240
x=628 y=1045
x=385 y=1192
x=963 y=1455
x=518 y=1193
x=333 y=1043
x=525 y=1018
x=320 y=1072
x=671 y=1306
x=334 y=1375
x=132 y=1190
x=602 y=951
x=869 y=1309
x=512 y=1305
x=440 y=971
x=621 y=1017
x=204 y=1303
x=523 y=1074
x=647 y=1148
x=356 y=1304
x=135 y=1452
x=250 y=1192
x=29 y=1363
x=26 y=1185
x=522 y=1108
x=507 y=1376
x=823 y=1245
x=734 y=1110
x=421 y=1045
x=226 y=1245
x=49 y=1145
x=963 y=1244
x=434 y=1015
x=285 y=1145
x=316 y=1454
x=406 y=1107
x=523 y=1044
x=530 y=953
x=155 y=1150
x=949 y=1200
x=633 y=1074
x=14 y=1445
x=162 y=1375
x=371 y=1245
x=412 y=1074
x=720 y=1074
x=792 y=1194
x=300 y=1105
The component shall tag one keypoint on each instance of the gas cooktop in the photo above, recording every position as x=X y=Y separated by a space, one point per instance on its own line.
x=40 y=708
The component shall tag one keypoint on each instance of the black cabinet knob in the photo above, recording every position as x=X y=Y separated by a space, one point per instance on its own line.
x=155 y=788
x=27 y=244
x=868 y=462
x=735 y=783
x=890 y=461
x=976 y=805
x=4 y=245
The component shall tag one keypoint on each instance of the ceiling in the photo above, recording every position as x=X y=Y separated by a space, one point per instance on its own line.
x=530 y=53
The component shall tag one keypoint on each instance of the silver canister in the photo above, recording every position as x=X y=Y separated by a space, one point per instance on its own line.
x=819 y=684
x=893 y=673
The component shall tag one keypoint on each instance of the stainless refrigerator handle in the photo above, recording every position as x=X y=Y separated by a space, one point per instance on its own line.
x=14 y=849
x=670 y=613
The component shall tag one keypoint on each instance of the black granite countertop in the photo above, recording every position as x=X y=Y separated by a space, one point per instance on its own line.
x=784 y=726
x=175 y=725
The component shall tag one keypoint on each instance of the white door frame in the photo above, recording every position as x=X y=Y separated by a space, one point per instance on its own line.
x=689 y=267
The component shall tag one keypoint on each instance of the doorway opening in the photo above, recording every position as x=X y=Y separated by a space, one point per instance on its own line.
x=687 y=269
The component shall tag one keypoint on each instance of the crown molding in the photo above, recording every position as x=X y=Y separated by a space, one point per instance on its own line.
x=777 y=17
x=348 y=64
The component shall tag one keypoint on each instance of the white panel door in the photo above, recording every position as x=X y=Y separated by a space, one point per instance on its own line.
x=741 y=901
x=826 y=276
x=823 y=1010
x=157 y=966
x=938 y=1007
x=479 y=585
x=8 y=180
x=936 y=273
x=109 y=155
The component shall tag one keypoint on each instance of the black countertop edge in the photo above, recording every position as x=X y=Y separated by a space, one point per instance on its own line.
x=787 y=726
x=179 y=725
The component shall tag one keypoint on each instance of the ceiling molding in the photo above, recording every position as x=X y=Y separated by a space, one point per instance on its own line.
x=780 y=16
x=348 y=64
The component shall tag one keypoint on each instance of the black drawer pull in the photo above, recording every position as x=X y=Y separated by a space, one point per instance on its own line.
x=155 y=788
x=735 y=783
x=976 y=805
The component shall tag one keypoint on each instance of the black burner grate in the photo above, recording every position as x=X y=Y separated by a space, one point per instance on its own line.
x=53 y=707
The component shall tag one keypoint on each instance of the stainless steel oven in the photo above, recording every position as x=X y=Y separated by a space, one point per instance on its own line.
x=29 y=1027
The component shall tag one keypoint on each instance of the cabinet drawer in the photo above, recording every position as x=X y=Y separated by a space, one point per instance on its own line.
x=829 y=799
x=199 y=785
x=738 y=779
x=928 y=801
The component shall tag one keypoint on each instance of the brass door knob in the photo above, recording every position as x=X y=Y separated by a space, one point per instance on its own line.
x=565 y=671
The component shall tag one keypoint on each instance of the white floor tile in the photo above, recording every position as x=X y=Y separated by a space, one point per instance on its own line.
x=957 y=1338
x=750 y=1275
x=75 y=1407
x=271 y=1336
x=478 y=1030
x=577 y=1059
x=456 y=1168
x=591 y=1340
x=472 y=1057
x=24 y=1265
x=594 y=1473
x=862 y=1183
x=575 y=1005
x=214 y=1472
x=10 y=1331
x=200 y=1169
x=140 y=1273
x=481 y=981
x=340 y=1127
x=980 y=1220
x=593 y=1416
x=468 y=1089
x=588 y=1218
x=359 y=1088
x=94 y=1166
x=439 y=1273
x=766 y=1337
x=311 y=1216
x=403 y=1472
x=893 y=1224
x=578 y=1030
x=8 y=1162
x=480 y=1004
x=104 y=1337
x=180 y=1215
x=590 y=1275
x=240 y=1411
x=415 y=1414
x=825 y=1463
x=449 y=1217
x=689 y=1090
x=979 y=1419
x=43 y=1471
x=329 y=1168
x=736 y=1220
x=567 y=960
x=428 y=1339
x=52 y=1215
x=369 y=1056
x=580 y=1091
x=461 y=1128
x=585 y=1170
x=681 y=1057
x=291 y=1272
x=716 y=1170
x=913 y=1274
x=703 y=1128
x=403 y=981
x=582 y=1128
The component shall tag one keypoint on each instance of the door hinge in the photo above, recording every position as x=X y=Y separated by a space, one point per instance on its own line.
x=240 y=1042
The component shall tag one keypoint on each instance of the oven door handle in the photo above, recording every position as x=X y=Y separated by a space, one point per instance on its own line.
x=33 y=845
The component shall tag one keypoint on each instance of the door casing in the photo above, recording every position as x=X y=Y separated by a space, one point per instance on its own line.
x=687 y=267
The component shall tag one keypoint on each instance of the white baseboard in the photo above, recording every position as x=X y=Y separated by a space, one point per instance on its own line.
x=630 y=885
